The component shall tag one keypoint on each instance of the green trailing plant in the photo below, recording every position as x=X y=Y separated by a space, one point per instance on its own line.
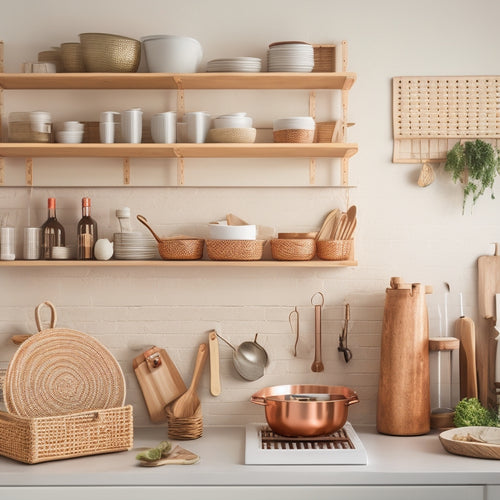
x=475 y=164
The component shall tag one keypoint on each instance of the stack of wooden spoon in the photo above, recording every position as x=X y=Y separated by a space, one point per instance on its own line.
x=338 y=225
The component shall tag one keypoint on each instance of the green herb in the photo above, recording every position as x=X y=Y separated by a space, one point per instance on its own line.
x=153 y=454
x=475 y=164
x=470 y=412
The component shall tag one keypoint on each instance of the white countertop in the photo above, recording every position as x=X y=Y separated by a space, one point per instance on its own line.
x=391 y=461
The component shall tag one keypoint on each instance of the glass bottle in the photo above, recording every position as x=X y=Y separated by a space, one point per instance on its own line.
x=52 y=232
x=86 y=233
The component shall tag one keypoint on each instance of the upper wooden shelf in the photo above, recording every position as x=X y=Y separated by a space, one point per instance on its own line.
x=223 y=150
x=179 y=81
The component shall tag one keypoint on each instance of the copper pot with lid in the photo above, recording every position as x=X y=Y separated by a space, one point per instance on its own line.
x=305 y=410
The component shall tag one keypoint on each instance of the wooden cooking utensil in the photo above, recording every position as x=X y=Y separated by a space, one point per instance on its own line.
x=350 y=218
x=317 y=365
x=339 y=227
x=189 y=402
x=326 y=229
x=213 y=346
x=350 y=230
x=488 y=267
x=466 y=333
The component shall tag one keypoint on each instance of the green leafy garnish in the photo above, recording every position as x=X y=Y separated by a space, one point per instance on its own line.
x=470 y=412
x=153 y=454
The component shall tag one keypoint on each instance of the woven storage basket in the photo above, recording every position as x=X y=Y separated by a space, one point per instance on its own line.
x=34 y=440
x=334 y=249
x=185 y=428
x=293 y=249
x=52 y=56
x=181 y=249
x=324 y=58
x=71 y=57
x=235 y=249
x=294 y=135
x=104 y=52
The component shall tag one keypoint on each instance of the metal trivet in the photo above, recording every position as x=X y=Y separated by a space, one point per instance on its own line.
x=335 y=441
x=263 y=446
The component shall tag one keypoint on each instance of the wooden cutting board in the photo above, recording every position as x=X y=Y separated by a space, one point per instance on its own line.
x=178 y=456
x=488 y=284
x=160 y=381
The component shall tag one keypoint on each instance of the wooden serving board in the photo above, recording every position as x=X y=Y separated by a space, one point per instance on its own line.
x=178 y=456
x=488 y=282
x=160 y=381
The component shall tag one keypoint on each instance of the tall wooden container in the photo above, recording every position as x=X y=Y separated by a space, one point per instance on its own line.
x=403 y=404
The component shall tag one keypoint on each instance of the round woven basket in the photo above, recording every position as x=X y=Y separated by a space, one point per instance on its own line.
x=71 y=57
x=104 y=52
x=294 y=135
x=186 y=427
x=334 y=249
x=235 y=249
x=181 y=249
x=293 y=249
x=59 y=371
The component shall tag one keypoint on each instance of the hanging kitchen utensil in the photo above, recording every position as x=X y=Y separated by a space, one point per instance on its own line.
x=159 y=380
x=187 y=404
x=213 y=347
x=317 y=365
x=249 y=359
x=328 y=224
x=19 y=339
x=60 y=371
x=295 y=329
x=343 y=338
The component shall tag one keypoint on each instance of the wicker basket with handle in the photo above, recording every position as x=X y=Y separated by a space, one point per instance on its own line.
x=33 y=440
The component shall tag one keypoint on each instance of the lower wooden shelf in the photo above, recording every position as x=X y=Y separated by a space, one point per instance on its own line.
x=177 y=263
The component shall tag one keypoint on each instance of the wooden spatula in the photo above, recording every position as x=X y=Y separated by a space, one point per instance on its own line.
x=350 y=218
x=188 y=403
x=328 y=223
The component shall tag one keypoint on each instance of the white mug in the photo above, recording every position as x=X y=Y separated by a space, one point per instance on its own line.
x=32 y=241
x=198 y=124
x=7 y=243
x=163 y=127
x=132 y=126
x=107 y=127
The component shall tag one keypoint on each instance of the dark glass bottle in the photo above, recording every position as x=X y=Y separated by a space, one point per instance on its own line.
x=52 y=232
x=86 y=233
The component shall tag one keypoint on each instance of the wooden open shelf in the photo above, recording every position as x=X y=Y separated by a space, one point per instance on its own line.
x=177 y=81
x=176 y=263
x=226 y=150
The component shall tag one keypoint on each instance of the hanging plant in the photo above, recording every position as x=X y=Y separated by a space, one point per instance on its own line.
x=475 y=164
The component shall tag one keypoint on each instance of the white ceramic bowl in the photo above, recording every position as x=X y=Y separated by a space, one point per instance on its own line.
x=225 y=232
x=73 y=126
x=296 y=122
x=69 y=136
x=172 y=54
x=233 y=121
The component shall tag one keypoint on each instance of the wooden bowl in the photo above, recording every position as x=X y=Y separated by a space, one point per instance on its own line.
x=470 y=448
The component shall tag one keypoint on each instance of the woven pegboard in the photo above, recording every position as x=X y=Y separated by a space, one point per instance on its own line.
x=429 y=111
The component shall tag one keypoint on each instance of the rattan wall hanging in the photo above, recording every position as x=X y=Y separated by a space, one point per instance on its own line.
x=430 y=114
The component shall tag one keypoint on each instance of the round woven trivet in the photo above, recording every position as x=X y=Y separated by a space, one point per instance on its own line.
x=59 y=371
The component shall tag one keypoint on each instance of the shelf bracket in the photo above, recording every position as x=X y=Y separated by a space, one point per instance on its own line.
x=180 y=104
x=29 y=171
x=2 y=169
x=126 y=171
x=312 y=171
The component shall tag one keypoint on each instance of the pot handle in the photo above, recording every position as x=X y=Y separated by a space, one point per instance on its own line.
x=352 y=400
x=258 y=400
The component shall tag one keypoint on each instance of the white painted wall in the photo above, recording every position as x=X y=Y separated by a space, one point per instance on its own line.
x=419 y=234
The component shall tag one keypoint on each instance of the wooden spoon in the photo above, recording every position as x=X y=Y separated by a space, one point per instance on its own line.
x=339 y=227
x=187 y=404
x=351 y=217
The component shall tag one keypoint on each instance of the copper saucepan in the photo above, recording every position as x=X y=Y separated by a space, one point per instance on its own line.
x=305 y=410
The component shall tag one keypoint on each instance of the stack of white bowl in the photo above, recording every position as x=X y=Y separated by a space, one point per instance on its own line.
x=62 y=253
x=135 y=246
x=234 y=127
x=222 y=231
x=72 y=133
x=290 y=56
x=237 y=64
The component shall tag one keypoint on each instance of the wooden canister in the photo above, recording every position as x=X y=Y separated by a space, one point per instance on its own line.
x=403 y=403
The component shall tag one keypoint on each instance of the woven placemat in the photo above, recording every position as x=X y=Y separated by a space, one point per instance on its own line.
x=59 y=371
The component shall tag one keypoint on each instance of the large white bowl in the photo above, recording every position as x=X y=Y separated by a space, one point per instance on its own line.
x=225 y=232
x=233 y=121
x=172 y=54
x=69 y=136
x=295 y=122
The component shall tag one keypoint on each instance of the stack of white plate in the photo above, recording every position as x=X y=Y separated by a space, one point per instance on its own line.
x=63 y=253
x=135 y=246
x=235 y=64
x=290 y=56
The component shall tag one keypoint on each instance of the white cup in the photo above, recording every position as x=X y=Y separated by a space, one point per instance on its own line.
x=198 y=124
x=163 y=127
x=7 y=243
x=40 y=121
x=107 y=127
x=32 y=240
x=132 y=125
